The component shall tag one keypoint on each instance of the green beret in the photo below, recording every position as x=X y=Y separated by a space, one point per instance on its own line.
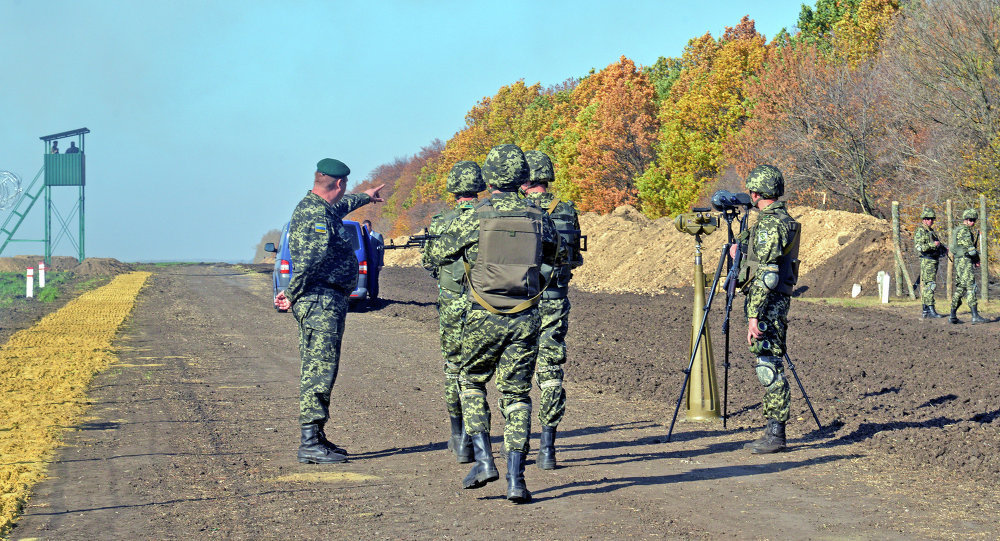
x=333 y=168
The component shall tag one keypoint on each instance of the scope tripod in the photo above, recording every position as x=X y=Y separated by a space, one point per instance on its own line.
x=730 y=214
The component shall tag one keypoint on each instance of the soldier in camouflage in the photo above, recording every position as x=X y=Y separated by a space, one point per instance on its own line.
x=768 y=273
x=930 y=250
x=501 y=342
x=325 y=273
x=966 y=253
x=465 y=181
x=554 y=305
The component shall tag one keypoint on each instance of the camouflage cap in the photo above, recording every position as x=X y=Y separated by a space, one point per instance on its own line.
x=505 y=168
x=465 y=177
x=970 y=214
x=333 y=168
x=767 y=181
x=540 y=167
x=928 y=214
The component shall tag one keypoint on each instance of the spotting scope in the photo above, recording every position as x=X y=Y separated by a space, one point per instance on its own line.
x=699 y=222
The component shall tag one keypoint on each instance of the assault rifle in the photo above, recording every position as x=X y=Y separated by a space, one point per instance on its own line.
x=413 y=241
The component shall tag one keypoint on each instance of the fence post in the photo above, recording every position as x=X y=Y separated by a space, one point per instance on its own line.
x=900 y=265
x=29 y=288
x=984 y=256
x=951 y=250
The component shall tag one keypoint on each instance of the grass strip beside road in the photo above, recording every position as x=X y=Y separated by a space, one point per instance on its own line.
x=45 y=372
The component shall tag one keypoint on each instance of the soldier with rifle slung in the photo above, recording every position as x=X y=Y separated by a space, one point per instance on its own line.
x=767 y=277
x=966 y=254
x=930 y=249
x=465 y=181
x=554 y=305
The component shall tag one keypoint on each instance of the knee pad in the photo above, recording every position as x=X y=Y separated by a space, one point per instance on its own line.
x=767 y=370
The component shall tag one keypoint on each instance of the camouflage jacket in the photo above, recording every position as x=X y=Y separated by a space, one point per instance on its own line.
x=965 y=243
x=769 y=239
x=322 y=256
x=449 y=275
x=459 y=241
x=924 y=239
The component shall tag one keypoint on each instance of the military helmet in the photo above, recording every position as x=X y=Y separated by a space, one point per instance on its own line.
x=970 y=214
x=505 y=168
x=927 y=214
x=465 y=177
x=767 y=181
x=540 y=167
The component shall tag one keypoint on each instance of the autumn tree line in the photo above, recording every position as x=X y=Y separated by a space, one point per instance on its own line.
x=868 y=102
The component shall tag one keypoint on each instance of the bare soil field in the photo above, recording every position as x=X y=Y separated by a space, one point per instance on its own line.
x=193 y=433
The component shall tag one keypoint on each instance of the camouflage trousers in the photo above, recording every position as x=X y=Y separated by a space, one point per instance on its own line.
x=321 y=330
x=770 y=349
x=554 y=315
x=965 y=284
x=507 y=346
x=928 y=280
x=451 y=313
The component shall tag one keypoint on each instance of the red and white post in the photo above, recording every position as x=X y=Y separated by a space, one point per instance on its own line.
x=30 y=288
x=41 y=274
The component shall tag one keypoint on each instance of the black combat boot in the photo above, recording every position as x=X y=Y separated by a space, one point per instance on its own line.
x=758 y=441
x=485 y=470
x=933 y=312
x=517 y=492
x=312 y=451
x=954 y=318
x=976 y=318
x=547 y=449
x=459 y=442
x=774 y=438
x=926 y=312
x=332 y=446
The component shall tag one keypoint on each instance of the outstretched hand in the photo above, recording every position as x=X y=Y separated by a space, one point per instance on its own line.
x=374 y=193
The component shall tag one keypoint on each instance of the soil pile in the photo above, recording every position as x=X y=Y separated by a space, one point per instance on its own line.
x=628 y=252
x=91 y=266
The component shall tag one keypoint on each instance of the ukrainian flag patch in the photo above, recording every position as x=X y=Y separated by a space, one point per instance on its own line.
x=321 y=228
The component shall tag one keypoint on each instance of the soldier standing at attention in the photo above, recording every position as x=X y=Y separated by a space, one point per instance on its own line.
x=502 y=244
x=326 y=272
x=768 y=275
x=966 y=259
x=554 y=305
x=464 y=181
x=930 y=249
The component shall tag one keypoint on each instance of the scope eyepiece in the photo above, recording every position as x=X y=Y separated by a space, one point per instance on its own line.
x=724 y=200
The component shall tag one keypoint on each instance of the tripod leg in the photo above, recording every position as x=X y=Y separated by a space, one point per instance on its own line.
x=803 y=389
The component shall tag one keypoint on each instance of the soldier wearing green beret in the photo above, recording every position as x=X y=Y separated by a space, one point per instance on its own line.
x=930 y=250
x=554 y=306
x=465 y=181
x=966 y=253
x=325 y=274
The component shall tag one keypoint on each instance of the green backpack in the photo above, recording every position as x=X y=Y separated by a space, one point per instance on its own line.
x=505 y=277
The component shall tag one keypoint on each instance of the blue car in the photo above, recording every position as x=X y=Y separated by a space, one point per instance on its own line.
x=364 y=250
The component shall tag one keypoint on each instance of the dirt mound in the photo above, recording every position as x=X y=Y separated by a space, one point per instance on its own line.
x=91 y=266
x=628 y=252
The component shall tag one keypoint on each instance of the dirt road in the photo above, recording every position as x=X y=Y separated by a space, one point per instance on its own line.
x=193 y=434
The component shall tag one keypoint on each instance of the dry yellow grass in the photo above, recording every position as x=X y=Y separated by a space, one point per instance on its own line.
x=44 y=375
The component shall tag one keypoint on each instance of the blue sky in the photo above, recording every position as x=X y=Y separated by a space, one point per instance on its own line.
x=207 y=117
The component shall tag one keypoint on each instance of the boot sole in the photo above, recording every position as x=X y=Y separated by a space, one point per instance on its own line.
x=523 y=498
x=482 y=479
x=322 y=461
x=759 y=451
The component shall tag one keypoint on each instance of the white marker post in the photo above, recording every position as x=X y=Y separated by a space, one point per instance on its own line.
x=30 y=288
x=41 y=274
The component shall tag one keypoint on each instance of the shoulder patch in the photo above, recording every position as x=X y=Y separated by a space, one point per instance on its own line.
x=320 y=227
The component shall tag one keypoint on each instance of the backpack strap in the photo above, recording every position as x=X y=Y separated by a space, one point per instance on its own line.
x=552 y=206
